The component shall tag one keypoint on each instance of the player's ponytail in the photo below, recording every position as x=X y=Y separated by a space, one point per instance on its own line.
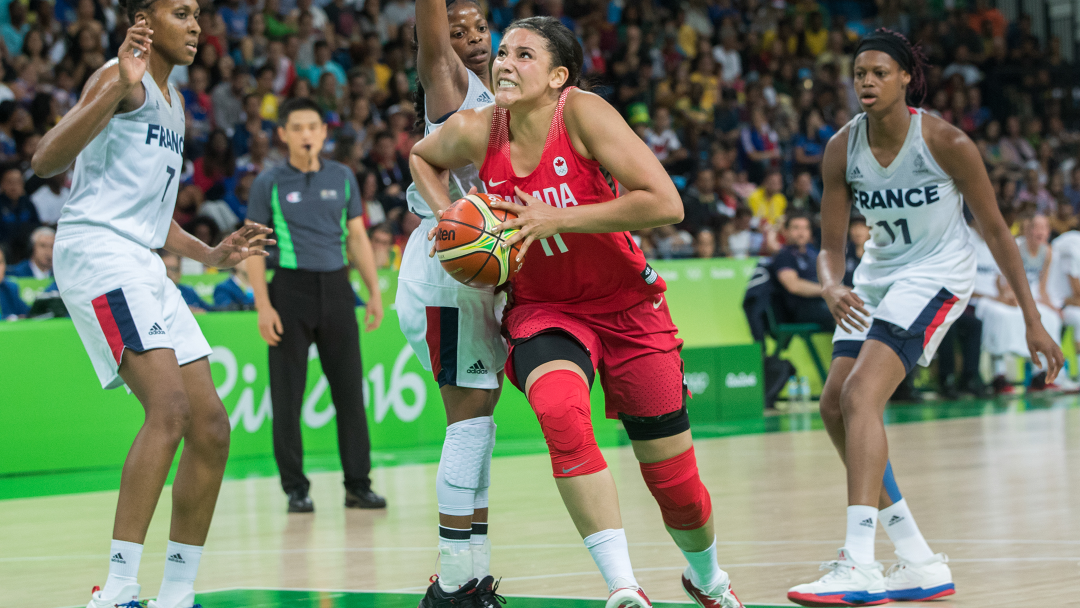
x=910 y=57
x=562 y=44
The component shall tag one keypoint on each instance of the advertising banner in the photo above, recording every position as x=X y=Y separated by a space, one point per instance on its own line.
x=55 y=417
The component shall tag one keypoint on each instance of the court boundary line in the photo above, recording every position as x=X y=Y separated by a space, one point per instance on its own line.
x=525 y=596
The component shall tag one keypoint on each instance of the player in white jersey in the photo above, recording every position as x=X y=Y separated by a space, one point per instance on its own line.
x=453 y=328
x=909 y=174
x=126 y=137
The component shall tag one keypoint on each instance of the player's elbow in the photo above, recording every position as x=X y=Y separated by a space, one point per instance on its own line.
x=41 y=166
x=673 y=211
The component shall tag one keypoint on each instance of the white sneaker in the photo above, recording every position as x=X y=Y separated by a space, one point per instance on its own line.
x=627 y=596
x=848 y=583
x=128 y=597
x=910 y=582
x=188 y=601
x=723 y=598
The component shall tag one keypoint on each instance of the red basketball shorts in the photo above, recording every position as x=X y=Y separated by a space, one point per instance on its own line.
x=634 y=351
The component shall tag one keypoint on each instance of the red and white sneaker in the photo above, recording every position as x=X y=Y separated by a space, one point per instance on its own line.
x=724 y=599
x=629 y=596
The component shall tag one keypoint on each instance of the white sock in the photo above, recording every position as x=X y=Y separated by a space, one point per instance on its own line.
x=611 y=553
x=181 y=566
x=705 y=573
x=455 y=558
x=904 y=533
x=124 y=560
x=481 y=550
x=861 y=526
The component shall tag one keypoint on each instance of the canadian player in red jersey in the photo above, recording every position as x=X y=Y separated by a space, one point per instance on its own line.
x=585 y=298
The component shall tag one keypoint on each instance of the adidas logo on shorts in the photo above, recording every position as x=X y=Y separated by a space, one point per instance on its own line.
x=477 y=368
x=156 y=330
x=895 y=520
x=118 y=558
x=176 y=558
x=868 y=522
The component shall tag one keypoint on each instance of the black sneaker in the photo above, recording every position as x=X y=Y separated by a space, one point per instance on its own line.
x=363 y=498
x=485 y=593
x=464 y=597
x=300 y=502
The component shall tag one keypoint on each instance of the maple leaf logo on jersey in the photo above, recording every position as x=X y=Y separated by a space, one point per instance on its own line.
x=560 y=166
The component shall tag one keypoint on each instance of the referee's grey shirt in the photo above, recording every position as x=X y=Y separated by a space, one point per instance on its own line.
x=308 y=212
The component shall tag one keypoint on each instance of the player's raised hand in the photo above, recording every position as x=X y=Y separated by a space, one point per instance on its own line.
x=1040 y=343
x=247 y=241
x=535 y=220
x=846 y=308
x=134 y=54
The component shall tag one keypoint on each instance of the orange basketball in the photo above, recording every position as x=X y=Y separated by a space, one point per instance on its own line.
x=470 y=248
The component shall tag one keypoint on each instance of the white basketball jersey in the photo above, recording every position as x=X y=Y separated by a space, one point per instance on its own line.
x=913 y=208
x=1064 y=263
x=126 y=179
x=461 y=180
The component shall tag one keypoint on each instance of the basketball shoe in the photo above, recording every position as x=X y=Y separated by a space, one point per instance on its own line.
x=128 y=597
x=629 y=596
x=486 y=596
x=188 y=601
x=847 y=583
x=910 y=582
x=436 y=597
x=724 y=599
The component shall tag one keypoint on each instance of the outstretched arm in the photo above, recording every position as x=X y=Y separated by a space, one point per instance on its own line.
x=959 y=157
x=250 y=240
x=600 y=133
x=109 y=89
x=441 y=72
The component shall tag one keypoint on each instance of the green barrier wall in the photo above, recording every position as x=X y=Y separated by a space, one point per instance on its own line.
x=55 y=417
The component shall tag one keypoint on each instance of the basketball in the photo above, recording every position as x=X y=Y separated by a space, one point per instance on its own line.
x=468 y=246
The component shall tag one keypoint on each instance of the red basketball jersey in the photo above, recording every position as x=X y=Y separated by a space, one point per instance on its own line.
x=586 y=273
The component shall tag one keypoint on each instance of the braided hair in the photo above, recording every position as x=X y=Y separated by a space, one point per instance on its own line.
x=418 y=95
x=910 y=57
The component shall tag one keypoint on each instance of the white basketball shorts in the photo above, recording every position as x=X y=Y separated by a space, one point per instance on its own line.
x=452 y=328
x=119 y=298
x=911 y=311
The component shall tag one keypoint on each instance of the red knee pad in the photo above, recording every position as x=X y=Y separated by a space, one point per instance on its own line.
x=561 y=402
x=677 y=488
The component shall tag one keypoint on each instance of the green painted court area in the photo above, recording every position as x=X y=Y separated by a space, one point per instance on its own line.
x=274 y=598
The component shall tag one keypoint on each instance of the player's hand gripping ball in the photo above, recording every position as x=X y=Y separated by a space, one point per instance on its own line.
x=469 y=248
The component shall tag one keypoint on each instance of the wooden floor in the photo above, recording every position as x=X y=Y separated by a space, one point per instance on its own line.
x=999 y=493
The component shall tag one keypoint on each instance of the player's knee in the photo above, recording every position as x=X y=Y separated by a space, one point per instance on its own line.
x=215 y=432
x=829 y=404
x=169 y=416
x=560 y=400
x=852 y=396
x=676 y=485
x=461 y=466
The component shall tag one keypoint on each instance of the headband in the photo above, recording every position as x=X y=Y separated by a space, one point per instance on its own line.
x=890 y=45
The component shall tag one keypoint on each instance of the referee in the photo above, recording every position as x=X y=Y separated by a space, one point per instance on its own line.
x=315 y=209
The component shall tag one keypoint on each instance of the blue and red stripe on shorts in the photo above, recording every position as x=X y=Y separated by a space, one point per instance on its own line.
x=114 y=316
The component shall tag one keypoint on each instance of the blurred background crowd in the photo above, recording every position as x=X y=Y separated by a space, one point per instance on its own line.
x=737 y=99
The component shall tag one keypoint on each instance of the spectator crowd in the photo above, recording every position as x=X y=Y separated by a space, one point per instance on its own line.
x=736 y=98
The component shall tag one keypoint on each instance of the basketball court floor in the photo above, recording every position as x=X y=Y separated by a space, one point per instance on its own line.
x=994 y=484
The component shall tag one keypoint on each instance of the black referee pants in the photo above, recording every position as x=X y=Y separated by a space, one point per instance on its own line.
x=319 y=308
